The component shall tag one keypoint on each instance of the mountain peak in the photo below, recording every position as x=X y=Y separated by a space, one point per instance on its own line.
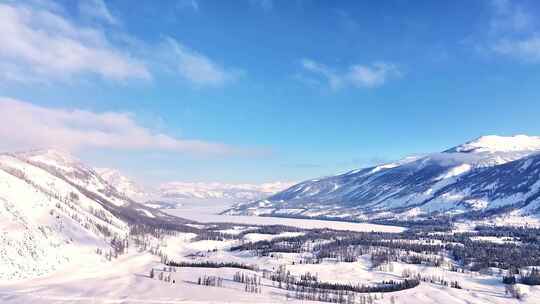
x=122 y=183
x=50 y=154
x=496 y=143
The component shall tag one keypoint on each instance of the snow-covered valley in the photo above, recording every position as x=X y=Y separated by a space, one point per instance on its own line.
x=92 y=278
x=68 y=235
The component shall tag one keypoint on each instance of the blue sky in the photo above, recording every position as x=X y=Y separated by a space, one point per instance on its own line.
x=256 y=91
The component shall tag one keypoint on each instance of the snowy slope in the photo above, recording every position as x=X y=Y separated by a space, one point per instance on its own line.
x=52 y=207
x=126 y=280
x=492 y=174
x=495 y=144
x=68 y=167
x=43 y=218
x=89 y=181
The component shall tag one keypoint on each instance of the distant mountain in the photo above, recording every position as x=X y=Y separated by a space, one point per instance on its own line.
x=123 y=184
x=169 y=195
x=239 y=192
x=52 y=206
x=487 y=176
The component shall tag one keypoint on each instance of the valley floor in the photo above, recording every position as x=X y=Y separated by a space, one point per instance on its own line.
x=93 y=279
x=207 y=212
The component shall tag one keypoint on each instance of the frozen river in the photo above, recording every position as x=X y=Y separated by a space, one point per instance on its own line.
x=206 y=211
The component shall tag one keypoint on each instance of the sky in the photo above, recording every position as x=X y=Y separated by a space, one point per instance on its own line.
x=263 y=90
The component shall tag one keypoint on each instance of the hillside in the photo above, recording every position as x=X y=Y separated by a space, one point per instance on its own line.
x=487 y=176
x=53 y=207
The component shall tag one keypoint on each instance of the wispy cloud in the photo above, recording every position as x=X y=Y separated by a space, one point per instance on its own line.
x=40 y=45
x=195 y=67
x=512 y=32
x=97 y=9
x=527 y=49
x=25 y=125
x=357 y=75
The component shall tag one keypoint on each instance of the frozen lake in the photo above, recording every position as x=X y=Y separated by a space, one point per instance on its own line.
x=206 y=211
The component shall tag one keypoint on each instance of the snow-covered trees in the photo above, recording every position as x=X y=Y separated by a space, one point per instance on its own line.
x=210 y=281
x=252 y=283
x=531 y=278
x=209 y=264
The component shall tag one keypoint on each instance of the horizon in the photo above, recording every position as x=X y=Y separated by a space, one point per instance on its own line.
x=327 y=88
x=284 y=183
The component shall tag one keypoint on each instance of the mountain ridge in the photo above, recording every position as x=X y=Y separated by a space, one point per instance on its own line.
x=454 y=182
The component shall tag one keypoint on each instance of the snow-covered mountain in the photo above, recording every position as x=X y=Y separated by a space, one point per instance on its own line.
x=239 y=192
x=168 y=195
x=52 y=207
x=123 y=184
x=489 y=175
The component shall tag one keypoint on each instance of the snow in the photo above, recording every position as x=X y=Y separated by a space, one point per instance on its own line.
x=123 y=184
x=453 y=181
x=146 y=213
x=236 y=230
x=52 y=157
x=337 y=272
x=44 y=220
x=209 y=245
x=61 y=163
x=513 y=219
x=49 y=237
x=300 y=223
x=457 y=171
x=126 y=281
x=187 y=190
x=495 y=143
x=401 y=162
x=92 y=279
x=255 y=237
x=493 y=239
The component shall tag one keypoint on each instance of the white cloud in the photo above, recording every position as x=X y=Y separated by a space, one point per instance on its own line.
x=527 y=49
x=371 y=76
x=97 y=9
x=39 y=44
x=512 y=32
x=195 y=67
x=360 y=76
x=26 y=126
x=335 y=81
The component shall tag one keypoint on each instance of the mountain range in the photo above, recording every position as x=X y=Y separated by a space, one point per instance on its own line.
x=488 y=176
x=167 y=194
